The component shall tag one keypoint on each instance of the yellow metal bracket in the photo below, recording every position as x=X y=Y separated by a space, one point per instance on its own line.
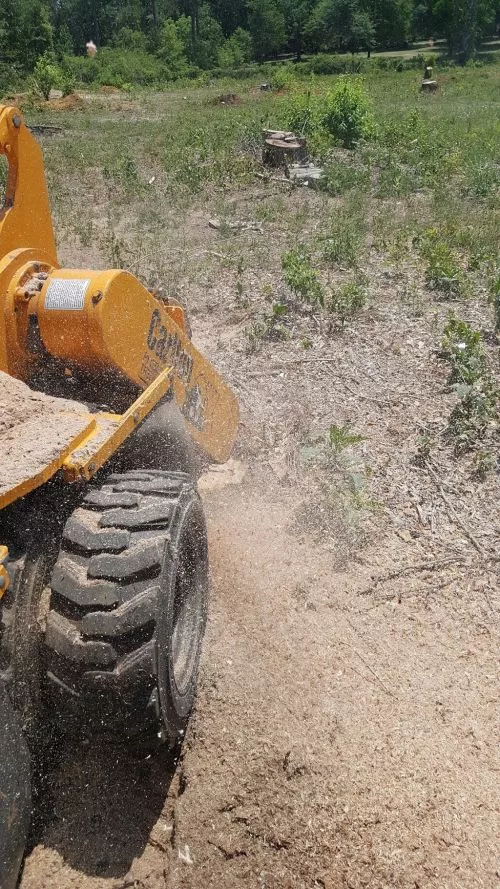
x=96 y=448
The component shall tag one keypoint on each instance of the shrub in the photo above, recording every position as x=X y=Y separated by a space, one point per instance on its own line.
x=82 y=68
x=469 y=419
x=301 y=277
x=236 y=50
x=302 y=113
x=47 y=75
x=323 y=63
x=127 y=38
x=171 y=50
x=10 y=78
x=347 y=115
x=121 y=66
x=283 y=77
x=345 y=301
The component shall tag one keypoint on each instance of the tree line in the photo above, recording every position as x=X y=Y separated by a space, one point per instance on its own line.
x=206 y=34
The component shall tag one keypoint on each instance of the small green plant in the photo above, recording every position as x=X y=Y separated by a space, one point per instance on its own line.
x=343 y=243
x=341 y=437
x=425 y=443
x=345 y=301
x=269 y=327
x=443 y=272
x=301 y=277
x=463 y=349
x=127 y=171
x=302 y=113
x=240 y=268
x=340 y=178
x=343 y=478
x=484 y=464
x=472 y=381
x=469 y=419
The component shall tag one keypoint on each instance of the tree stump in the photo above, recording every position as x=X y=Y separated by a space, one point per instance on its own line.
x=281 y=148
x=429 y=86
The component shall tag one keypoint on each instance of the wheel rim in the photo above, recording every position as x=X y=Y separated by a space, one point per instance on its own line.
x=189 y=605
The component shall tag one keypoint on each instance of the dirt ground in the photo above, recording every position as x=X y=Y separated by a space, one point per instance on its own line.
x=347 y=724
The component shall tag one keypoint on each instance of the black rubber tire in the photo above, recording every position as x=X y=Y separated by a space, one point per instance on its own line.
x=128 y=605
x=15 y=796
x=21 y=624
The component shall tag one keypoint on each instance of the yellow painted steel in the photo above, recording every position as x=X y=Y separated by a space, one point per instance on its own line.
x=123 y=328
x=29 y=484
x=4 y=574
x=25 y=218
x=99 y=322
x=78 y=466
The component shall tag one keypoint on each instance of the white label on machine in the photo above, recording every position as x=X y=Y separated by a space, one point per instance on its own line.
x=66 y=293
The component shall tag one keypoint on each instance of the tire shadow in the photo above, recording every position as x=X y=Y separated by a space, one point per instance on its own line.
x=97 y=802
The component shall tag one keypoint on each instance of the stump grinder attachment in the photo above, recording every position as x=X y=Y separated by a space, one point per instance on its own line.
x=103 y=549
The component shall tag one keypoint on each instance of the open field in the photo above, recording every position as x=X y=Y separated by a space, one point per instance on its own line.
x=347 y=723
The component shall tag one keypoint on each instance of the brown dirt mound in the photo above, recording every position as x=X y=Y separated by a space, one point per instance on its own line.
x=65 y=103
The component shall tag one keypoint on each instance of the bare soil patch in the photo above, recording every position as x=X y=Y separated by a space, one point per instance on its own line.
x=347 y=722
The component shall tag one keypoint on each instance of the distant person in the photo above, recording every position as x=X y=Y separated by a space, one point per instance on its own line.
x=91 y=48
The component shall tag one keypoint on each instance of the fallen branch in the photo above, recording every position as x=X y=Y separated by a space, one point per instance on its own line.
x=412 y=569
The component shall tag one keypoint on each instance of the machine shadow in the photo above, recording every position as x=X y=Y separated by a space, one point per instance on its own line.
x=100 y=802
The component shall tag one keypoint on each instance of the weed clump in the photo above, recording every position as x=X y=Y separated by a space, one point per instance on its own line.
x=268 y=327
x=345 y=301
x=344 y=502
x=443 y=272
x=343 y=243
x=463 y=349
x=472 y=381
x=301 y=277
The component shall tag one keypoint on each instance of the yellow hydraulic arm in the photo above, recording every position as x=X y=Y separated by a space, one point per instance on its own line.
x=98 y=322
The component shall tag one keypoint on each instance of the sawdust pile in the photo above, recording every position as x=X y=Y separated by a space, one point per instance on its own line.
x=34 y=430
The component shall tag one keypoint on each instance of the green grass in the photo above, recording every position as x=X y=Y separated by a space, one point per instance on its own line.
x=420 y=192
